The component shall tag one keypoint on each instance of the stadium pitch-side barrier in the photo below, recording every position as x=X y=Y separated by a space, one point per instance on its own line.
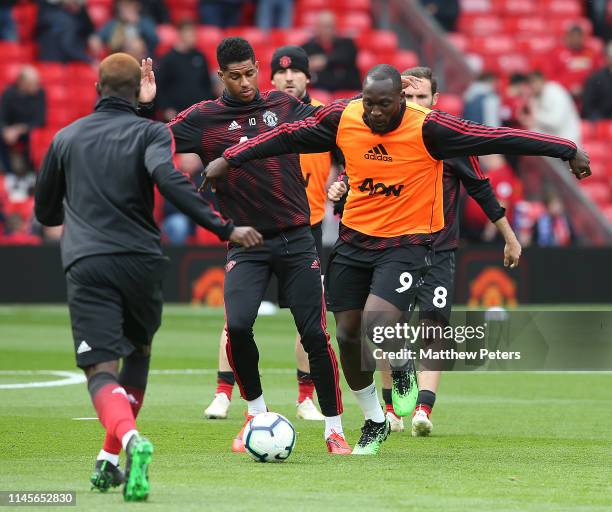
x=545 y=276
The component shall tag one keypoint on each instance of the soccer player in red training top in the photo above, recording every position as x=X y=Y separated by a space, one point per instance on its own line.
x=271 y=195
x=291 y=74
x=393 y=214
x=435 y=295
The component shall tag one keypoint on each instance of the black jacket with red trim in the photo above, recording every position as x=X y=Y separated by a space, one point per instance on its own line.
x=97 y=179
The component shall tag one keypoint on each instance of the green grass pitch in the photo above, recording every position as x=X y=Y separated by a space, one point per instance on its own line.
x=501 y=441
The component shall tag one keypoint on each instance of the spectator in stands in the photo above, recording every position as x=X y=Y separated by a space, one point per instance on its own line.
x=221 y=13
x=129 y=23
x=552 y=109
x=64 y=31
x=481 y=101
x=445 y=12
x=598 y=12
x=553 y=228
x=176 y=226
x=156 y=10
x=333 y=60
x=597 y=96
x=571 y=64
x=8 y=29
x=183 y=77
x=17 y=231
x=274 y=14
x=515 y=109
x=22 y=107
x=136 y=47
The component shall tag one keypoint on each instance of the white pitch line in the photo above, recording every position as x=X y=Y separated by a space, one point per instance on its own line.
x=68 y=379
x=84 y=419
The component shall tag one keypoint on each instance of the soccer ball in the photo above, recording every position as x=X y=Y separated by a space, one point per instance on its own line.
x=269 y=437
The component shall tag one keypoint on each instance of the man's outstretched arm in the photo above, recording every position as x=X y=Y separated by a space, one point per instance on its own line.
x=447 y=136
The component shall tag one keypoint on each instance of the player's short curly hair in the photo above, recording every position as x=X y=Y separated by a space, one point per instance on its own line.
x=234 y=49
x=385 y=72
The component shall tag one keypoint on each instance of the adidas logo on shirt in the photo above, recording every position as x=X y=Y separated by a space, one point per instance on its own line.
x=378 y=152
x=83 y=347
x=233 y=126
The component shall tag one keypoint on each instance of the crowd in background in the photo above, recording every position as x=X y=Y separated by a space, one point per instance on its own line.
x=576 y=83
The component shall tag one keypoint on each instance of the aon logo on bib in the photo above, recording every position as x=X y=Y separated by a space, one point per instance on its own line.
x=372 y=188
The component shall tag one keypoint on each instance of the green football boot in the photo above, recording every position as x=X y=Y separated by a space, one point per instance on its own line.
x=105 y=476
x=372 y=436
x=405 y=390
x=139 y=454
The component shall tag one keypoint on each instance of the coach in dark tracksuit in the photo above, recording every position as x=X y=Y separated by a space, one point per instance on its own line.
x=97 y=179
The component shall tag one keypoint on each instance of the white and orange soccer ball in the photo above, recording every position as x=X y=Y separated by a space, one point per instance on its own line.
x=269 y=437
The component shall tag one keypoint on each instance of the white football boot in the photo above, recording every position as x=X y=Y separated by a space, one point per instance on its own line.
x=307 y=410
x=421 y=424
x=397 y=423
x=217 y=410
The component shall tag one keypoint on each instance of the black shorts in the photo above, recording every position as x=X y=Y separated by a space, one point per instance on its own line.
x=317 y=234
x=115 y=304
x=435 y=295
x=392 y=274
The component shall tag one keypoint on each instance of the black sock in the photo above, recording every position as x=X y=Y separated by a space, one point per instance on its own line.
x=304 y=377
x=427 y=398
x=135 y=370
x=227 y=377
x=386 y=393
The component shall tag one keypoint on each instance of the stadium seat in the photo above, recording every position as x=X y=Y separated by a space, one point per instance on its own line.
x=99 y=14
x=560 y=25
x=25 y=14
x=405 y=59
x=587 y=130
x=508 y=64
x=253 y=35
x=11 y=52
x=566 y=8
x=597 y=150
x=458 y=40
x=208 y=39
x=379 y=41
x=52 y=73
x=296 y=37
x=40 y=138
x=500 y=45
x=607 y=212
x=167 y=37
x=82 y=74
x=354 y=23
x=532 y=26
x=516 y=7
x=603 y=130
x=481 y=25
x=599 y=193
x=451 y=104
x=365 y=61
x=536 y=44
x=476 y=6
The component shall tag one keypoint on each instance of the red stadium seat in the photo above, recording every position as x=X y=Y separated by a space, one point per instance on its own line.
x=516 y=7
x=508 y=64
x=587 y=130
x=365 y=61
x=354 y=23
x=379 y=41
x=532 y=26
x=500 y=45
x=312 y=5
x=296 y=37
x=450 y=103
x=208 y=39
x=599 y=193
x=603 y=130
x=99 y=14
x=458 y=40
x=540 y=44
x=352 y=6
x=598 y=151
x=82 y=74
x=167 y=37
x=253 y=35
x=607 y=212
x=11 y=52
x=52 y=73
x=405 y=59
x=40 y=139
x=345 y=94
x=479 y=6
x=567 y=8
x=481 y=25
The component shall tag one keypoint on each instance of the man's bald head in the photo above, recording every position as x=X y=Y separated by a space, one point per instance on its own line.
x=119 y=75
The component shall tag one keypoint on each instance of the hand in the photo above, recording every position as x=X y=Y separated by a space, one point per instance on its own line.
x=410 y=81
x=246 y=236
x=218 y=168
x=580 y=165
x=317 y=62
x=336 y=191
x=512 y=253
x=148 y=88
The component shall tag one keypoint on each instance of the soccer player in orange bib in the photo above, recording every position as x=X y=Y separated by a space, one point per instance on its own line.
x=393 y=213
